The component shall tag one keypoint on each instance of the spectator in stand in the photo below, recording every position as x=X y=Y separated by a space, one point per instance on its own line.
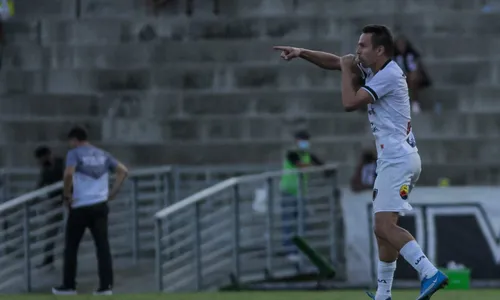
x=51 y=171
x=366 y=172
x=410 y=61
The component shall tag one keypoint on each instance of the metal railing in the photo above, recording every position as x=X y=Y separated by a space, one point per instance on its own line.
x=185 y=179
x=17 y=181
x=190 y=179
x=145 y=192
x=239 y=230
x=33 y=226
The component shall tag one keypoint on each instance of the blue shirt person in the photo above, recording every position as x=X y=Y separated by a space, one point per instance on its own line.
x=86 y=192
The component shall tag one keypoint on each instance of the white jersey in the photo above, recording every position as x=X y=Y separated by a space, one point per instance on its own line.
x=389 y=114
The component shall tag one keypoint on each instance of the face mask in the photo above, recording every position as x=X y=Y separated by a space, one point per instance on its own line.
x=303 y=144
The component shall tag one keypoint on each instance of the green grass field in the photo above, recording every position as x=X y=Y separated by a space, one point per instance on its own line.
x=331 y=295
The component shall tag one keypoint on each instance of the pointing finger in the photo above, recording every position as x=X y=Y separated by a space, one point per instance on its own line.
x=280 y=48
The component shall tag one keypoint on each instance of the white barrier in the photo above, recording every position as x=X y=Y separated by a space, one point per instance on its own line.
x=481 y=203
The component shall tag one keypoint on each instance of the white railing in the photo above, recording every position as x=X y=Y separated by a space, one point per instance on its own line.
x=237 y=231
x=185 y=179
x=131 y=228
x=32 y=226
x=17 y=181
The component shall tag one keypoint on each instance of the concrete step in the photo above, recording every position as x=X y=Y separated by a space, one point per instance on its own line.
x=22 y=32
x=436 y=47
x=484 y=99
x=137 y=8
x=454 y=124
x=158 y=105
x=184 y=77
x=344 y=27
x=161 y=105
x=438 y=149
x=384 y=6
x=193 y=129
x=139 y=55
x=114 y=31
x=470 y=50
x=26 y=9
x=262 y=127
x=221 y=77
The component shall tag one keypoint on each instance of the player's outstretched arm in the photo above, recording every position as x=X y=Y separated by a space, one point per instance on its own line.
x=352 y=96
x=321 y=59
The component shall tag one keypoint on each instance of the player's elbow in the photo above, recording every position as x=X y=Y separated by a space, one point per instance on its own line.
x=121 y=169
x=349 y=108
x=349 y=104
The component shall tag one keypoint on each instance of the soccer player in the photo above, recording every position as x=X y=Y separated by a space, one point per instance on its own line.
x=398 y=166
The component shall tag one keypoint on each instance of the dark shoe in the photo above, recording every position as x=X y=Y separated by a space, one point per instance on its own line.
x=104 y=291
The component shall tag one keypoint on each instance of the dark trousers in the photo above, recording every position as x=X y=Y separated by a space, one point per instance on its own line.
x=95 y=218
x=289 y=216
x=52 y=233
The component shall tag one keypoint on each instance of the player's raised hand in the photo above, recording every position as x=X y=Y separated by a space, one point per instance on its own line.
x=288 y=53
x=347 y=61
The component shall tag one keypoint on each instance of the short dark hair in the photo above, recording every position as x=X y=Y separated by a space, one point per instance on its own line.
x=302 y=135
x=78 y=133
x=381 y=36
x=42 y=151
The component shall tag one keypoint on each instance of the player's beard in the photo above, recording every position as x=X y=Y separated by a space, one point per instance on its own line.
x=361 y=62
x=356 y=60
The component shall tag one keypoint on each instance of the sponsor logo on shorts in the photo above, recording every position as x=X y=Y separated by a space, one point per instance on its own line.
x=403 y=191
x=375 y=192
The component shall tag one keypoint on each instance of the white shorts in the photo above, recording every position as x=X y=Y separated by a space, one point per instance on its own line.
x=395 y=180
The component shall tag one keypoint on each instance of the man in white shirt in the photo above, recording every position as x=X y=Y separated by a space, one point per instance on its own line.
x=385 y=92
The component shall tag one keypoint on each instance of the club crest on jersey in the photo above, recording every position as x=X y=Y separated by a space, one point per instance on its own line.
x=375 y=192
x=403 y=191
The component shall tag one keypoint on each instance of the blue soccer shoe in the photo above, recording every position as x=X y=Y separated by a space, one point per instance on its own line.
x=431 y=285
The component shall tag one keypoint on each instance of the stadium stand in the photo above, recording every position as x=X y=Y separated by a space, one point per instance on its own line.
x=157 y=89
